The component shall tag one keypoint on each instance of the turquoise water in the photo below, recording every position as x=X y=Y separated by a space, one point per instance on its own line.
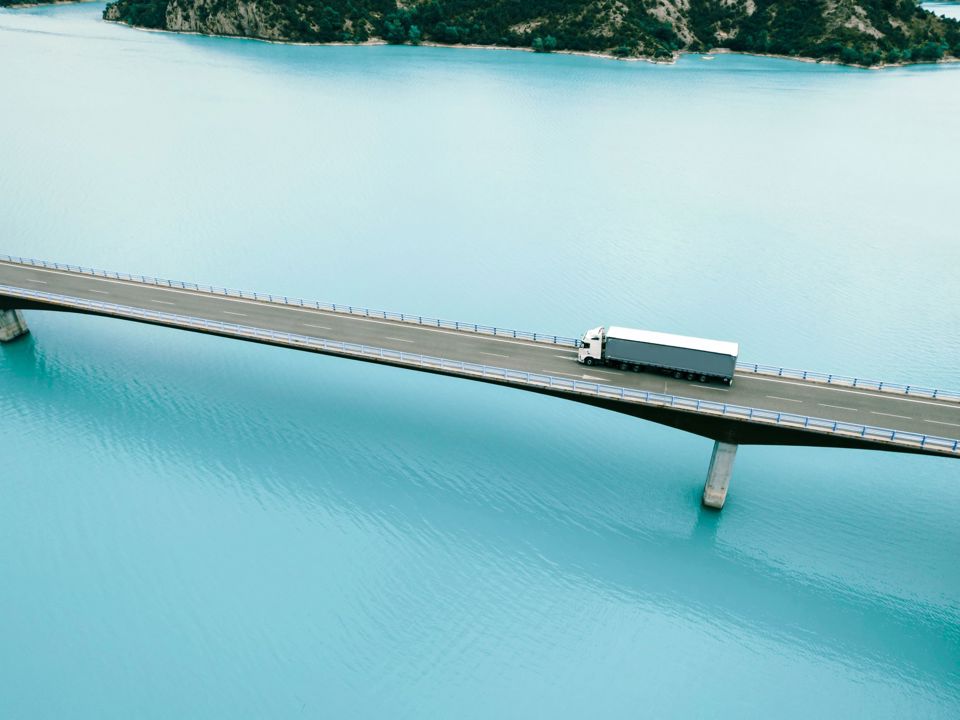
x=947 y=9
x=192 y=527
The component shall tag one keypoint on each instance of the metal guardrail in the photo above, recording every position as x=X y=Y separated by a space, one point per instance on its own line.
x=513 y=377
x=848 y=381
x=300 y=302
x=754 y=368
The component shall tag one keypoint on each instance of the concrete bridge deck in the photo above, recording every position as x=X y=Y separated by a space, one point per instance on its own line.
x=759 y=408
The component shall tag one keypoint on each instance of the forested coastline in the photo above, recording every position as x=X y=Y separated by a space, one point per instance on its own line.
x=854 y=32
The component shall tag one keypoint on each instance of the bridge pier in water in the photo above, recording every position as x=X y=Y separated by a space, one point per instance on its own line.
x=718 y=476
x=12 y=325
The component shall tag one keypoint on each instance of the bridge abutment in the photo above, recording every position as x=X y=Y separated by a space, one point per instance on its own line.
x=12 y=325
x=718 y=476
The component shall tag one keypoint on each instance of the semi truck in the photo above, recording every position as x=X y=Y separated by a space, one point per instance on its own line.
x=644 y=350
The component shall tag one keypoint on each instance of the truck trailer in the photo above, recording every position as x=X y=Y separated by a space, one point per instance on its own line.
x=644 y=350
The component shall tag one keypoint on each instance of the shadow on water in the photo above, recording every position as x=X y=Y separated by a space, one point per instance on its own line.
x=705 y=529
x=520 y=506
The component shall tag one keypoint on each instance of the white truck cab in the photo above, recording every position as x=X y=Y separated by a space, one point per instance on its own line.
x=591 y=347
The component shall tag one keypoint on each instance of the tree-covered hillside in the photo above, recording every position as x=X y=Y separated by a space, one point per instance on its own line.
x=863 y=32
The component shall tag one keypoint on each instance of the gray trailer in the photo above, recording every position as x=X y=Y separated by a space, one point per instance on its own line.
x=677 y=355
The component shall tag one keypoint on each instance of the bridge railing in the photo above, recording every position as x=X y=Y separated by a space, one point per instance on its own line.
x=521 y=378
x=849 y=381
x=755 y=368
x=300 y=302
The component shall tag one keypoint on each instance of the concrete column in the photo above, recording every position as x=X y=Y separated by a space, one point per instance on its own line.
x=12 y=325
x=718 y=476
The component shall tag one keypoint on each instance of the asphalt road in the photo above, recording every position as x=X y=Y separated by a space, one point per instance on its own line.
x=864 y=407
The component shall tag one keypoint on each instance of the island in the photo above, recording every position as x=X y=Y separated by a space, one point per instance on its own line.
x=869 y=33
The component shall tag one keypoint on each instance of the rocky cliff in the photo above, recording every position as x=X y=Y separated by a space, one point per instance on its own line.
x=857 y=32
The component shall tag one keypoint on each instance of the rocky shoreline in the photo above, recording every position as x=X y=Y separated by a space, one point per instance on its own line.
x=858 y=33
x=594 y=54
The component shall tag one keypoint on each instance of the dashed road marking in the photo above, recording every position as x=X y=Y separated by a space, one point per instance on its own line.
x=319 y=327
x=591 y=378
x=775 y=397
x=163 y=302
x=833 y=388
x=41 y=282
x=713 y=389
x=557 y=372
x=493 y=354
x=99 y=292
x=940 y=422
x=838 y=407
x=463 y=332
x=387 y=337
x=227 y=312
x=902 y=417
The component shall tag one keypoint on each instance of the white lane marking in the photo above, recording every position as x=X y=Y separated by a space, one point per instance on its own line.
x=42 y=282
x=833 y=388
x=227 y=312
x=604 y=372
x=705 y=387
x=579 y=377
x=774 y=397
x=338 y=315
x=940 y=422
x=838 y=407
x=99 y=292
x=459 y=333
x=493 y=354
x=744 y=376
x=566 y=357
x=320 y=327
x=163 y=302
x=902 y=417
x=387 y=337
x=557 y=372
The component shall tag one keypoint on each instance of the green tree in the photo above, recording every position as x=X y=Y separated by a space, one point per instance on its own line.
x=929 y=51
x=544 y=44
x=394 y=31
x=850 y=56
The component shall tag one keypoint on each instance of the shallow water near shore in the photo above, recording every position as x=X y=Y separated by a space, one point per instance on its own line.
x=194 y=527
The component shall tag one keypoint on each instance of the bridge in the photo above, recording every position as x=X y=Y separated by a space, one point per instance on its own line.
x=765 y=405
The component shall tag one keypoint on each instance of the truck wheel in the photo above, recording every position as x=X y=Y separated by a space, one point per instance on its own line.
x=678 y=375
x=703 y=378
x=588 y=361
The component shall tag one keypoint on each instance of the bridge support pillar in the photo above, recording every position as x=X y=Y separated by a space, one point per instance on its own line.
x=718 y=476
x=12 y=325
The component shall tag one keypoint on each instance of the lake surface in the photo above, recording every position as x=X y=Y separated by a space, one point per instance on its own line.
x=947 y=9
x=194 y=527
